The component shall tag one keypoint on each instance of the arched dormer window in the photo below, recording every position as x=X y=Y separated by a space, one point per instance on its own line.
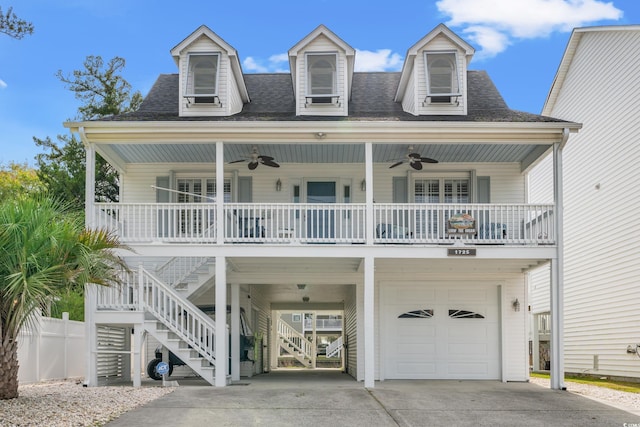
x=202 y=78
x=321 y=78
x=442 y=77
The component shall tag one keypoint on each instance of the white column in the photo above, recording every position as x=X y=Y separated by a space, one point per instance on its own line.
x=314 y=338
x=369 y=327
x=219 y=193
x=370 y=219
x=136 y=347
x=557 y=280
x=91 y=375
x=221 y=322
x=235 y=332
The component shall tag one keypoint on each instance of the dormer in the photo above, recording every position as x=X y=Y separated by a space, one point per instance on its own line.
x=434 y=75
x=211 y=80
x=322 y=71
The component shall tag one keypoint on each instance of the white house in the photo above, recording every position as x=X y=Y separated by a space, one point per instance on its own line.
x=395 y=199
x=597 y=84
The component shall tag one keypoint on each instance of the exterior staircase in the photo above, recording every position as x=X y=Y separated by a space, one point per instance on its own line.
x=295 y=344
x=191 y=276
x=179 y=326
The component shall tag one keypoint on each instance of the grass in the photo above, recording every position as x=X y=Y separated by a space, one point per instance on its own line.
x=626 y=386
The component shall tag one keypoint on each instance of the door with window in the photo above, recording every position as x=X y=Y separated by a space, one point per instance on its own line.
x=197 y=219
x=430 y=222
x=321 y=222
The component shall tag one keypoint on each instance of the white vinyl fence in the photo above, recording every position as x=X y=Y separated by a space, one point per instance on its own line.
x=51 y=349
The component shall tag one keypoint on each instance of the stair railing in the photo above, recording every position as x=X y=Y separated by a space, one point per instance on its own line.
x=179 y=315
x=177 y=269
x=295 y=339
x=335 y=347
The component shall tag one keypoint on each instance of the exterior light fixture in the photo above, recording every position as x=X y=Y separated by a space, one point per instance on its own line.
x=516 y=305
x=278 y=185
x=320 y=135
x=305 y=299
x=363 y=185
x=301 y=286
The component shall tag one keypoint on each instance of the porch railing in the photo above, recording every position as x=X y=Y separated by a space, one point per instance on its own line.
x=298 y=223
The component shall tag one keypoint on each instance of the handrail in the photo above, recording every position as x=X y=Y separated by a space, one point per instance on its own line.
x=335 y=347
x=295 y=338
x=174 y=271
x=179 y=315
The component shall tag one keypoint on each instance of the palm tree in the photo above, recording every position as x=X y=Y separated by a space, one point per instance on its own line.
x=45 y=250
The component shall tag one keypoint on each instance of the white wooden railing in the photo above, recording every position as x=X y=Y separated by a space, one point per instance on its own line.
x=323 y=324
x=295 y=339
x=335 y=347
x=179 y=315
x=297 y=223
x=176 y=270
x=124 y=297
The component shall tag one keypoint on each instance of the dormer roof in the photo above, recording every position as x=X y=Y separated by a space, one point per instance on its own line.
x=322 y=30
x=204 y=31
x=413 y=51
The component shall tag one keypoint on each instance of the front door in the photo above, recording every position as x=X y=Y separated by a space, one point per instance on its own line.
x=321 y=220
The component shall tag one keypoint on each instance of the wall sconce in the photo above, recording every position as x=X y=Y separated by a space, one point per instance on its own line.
x=305 y=299
x=363 y=185
x=516 y=305
x=278 y=185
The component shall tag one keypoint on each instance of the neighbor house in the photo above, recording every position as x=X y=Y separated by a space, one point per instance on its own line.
x=396 y=200
x=597 y=84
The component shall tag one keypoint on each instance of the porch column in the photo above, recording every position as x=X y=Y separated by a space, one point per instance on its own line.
x=557 y=278
x=137 y=354
x=235 y=332
x=90 y=185
x=314 y=337
x=370 y=214
x=91 y=339
x=369 y=327
x=221 y=338
x=220 y=193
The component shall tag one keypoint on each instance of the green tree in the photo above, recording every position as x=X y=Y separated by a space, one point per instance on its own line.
x=13 y=26
x=103 y=92
x=18 y=179
x=45 y=251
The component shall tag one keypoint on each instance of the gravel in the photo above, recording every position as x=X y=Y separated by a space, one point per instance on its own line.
x=68 y=403
x=619 y=399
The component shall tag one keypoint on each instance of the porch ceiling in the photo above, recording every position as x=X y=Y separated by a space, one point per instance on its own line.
x=323 y=153
x=331 y=280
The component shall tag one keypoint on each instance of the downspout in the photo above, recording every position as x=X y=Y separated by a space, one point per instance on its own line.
x=557 y=271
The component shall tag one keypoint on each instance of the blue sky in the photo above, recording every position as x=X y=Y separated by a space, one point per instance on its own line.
x=518 y=42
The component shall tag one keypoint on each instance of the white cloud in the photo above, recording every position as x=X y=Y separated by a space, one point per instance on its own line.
x=380 y=60
x=2 y=84
x=277 y=63
x=492 y=24
x=250 y=64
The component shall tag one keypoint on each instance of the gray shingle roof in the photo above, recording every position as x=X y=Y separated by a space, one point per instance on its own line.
x=372 y=98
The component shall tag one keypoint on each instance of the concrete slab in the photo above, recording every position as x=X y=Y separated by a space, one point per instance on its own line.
x=311 y=398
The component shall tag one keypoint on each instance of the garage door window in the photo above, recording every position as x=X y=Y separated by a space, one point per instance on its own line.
x=464 y=314
x=417 y=314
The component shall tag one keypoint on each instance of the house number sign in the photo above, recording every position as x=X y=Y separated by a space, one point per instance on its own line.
x=461 y=252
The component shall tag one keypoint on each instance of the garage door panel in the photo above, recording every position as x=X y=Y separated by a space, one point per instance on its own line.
x=442 y=346
x=415 y=370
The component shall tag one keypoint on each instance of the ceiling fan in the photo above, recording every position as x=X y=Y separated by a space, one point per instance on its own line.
x=256 y=159
x=415 y=160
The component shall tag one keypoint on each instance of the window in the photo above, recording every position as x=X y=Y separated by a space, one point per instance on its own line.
x=296 y=318
x=190 y=190
x=442 y=77
x=202 y=78
x=444 y=190
x=321 y=78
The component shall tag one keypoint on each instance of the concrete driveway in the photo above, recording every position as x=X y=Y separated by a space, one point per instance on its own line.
x=315 y=398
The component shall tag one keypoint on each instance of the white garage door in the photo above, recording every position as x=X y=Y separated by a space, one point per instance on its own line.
x=441 y=332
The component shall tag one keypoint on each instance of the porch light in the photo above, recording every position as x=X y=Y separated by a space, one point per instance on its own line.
x=301 y=286
x=516 y=305
x=363 y=185
x=305 y=299
x=278 y=185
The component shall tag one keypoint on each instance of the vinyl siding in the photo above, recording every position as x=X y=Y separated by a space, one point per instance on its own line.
x=351 y=332
x=602 y=91
x=507 y=183
x=409 y=103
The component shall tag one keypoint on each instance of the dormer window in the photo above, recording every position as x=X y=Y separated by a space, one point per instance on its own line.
x=321 y=78
x=442 y=78
x=202 y=78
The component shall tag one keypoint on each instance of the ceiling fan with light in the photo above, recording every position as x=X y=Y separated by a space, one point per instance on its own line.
x=415 y=160
x=255 y=159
